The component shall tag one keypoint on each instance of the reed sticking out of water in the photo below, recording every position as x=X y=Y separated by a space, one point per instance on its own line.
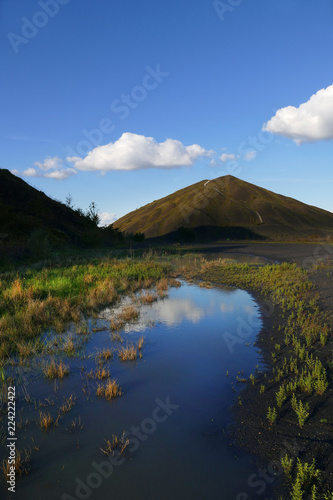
x=56 y=370
x=22 y=464
x=117 y=444
x=45 y=420
x=110 y=390
x=128 y=353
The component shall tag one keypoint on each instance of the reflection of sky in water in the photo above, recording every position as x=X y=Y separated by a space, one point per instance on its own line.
x=190 y=304
x=185 y=358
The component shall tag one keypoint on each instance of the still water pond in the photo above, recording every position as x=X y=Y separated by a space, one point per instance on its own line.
x=175 y=407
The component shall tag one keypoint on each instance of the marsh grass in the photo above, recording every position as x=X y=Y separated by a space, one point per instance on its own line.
x=35 y=299
x=118 y=444
x=22 y=463
x=104 y=355
x=67 y=404
x=109 y=391
x=128 y=313
x=45 y=420
x=100 y=374
x=128 y=353
x=148 y=298
x=56 y=370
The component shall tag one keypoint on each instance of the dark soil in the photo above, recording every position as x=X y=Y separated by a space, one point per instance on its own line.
x=252 y=430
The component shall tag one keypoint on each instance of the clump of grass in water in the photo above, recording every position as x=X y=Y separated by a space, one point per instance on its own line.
x=99 y=374
x=128 y=313
x=110 y=390
x=117 y=444
x=148 y=298
x=104 y=355
x=67 y=404
x=45 y=420
x=128 y=353
x=56 y=370
x=22 y=464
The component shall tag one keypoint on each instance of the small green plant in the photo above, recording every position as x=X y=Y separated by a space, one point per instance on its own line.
x=287 y=465
x=252 y=378
x=281 y=396
x=262 y=389
x=271 y=415
x=302 y=411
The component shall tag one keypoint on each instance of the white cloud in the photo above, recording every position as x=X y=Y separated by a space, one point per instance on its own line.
x=312 y=121
x=49 y=163
x=134 y=152
x=60 y=175
x=227 y=156
x=107 y=218
x=250 y=155
x=31 y=172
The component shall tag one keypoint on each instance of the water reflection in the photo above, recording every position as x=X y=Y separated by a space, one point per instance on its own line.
x=185 y=359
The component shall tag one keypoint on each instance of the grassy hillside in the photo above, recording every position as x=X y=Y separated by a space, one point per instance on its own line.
x=227 y=203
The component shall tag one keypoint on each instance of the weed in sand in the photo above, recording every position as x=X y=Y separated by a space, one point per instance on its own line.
x=271 y=415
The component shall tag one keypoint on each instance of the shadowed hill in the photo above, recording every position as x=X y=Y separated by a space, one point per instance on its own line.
x=25 y=211
x=227 y=207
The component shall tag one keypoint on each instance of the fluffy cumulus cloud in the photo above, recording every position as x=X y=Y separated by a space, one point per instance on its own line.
x=312 y=121
x=227 y=156
x=49 y=163
x=135 y=152
x=56 y=174
x=129 y=152
x=107 y=218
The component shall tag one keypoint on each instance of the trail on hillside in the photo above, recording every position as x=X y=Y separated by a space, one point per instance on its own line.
x=235 y=201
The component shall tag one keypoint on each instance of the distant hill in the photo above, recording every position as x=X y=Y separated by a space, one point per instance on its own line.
x=28 y=215
x=227 y=207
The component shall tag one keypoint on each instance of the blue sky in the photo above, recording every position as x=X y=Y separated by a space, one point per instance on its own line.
x=123 y=102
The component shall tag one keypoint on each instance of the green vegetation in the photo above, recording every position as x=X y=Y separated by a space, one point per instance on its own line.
x=33 y=300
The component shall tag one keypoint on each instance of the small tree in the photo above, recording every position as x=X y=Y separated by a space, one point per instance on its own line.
x=69 y=201
x=92 y=214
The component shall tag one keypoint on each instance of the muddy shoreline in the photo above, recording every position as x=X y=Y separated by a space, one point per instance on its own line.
x=252 y=431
